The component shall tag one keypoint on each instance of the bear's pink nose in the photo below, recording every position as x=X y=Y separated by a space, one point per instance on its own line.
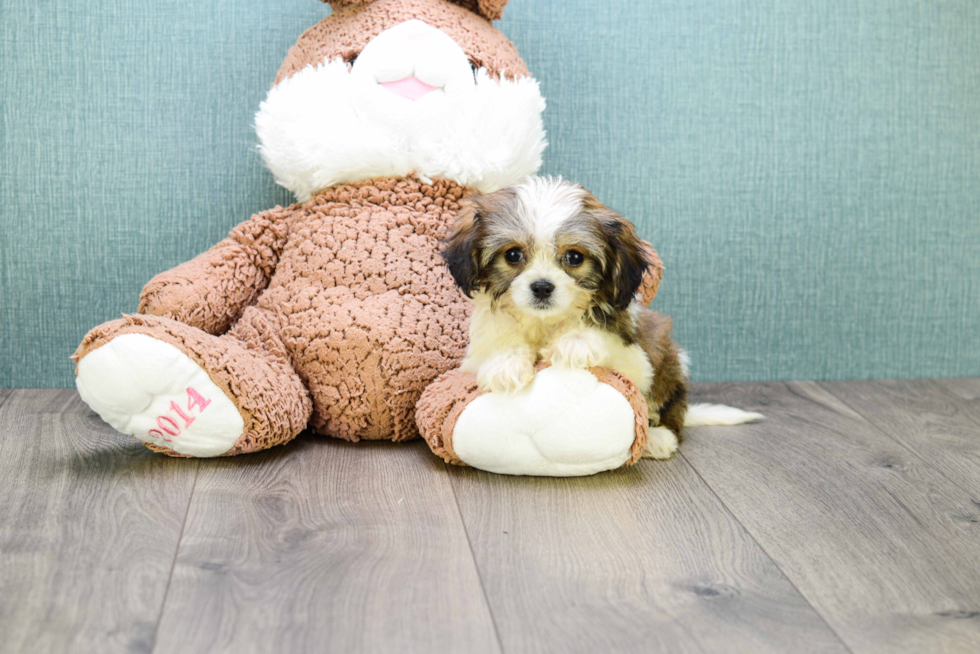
x=410 y=88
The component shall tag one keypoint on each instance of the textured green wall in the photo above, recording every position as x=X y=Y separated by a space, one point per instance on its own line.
x=809 y=170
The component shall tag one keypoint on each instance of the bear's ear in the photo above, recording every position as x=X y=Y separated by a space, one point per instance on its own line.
x=340 y=3
x=489 y=9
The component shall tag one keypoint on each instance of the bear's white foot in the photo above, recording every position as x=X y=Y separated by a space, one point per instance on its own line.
x=565 y=424
x=153 y=391
x=661 y=443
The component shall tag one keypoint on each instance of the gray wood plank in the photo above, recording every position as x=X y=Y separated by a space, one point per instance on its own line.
x=870 y=534
x=48 y=400
x=643 y=559
x=322 y=545
x=966 y=388
x=923 y=416
x=89 y=526
x=966 y=393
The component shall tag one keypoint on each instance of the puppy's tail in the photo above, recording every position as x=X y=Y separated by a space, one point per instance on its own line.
x=718 y=414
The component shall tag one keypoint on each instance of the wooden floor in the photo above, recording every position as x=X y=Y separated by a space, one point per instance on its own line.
x=848 y=521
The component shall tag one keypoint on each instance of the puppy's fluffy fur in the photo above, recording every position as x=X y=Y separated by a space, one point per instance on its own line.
x=553 y=276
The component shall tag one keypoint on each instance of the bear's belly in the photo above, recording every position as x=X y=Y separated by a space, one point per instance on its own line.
x=360 y=257
x=365 y=264
x=370 y=314
x=368 y=336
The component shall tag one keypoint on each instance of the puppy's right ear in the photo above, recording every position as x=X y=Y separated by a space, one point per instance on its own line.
x=462 y=251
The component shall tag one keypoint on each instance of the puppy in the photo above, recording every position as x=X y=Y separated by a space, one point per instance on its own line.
x=553 y=276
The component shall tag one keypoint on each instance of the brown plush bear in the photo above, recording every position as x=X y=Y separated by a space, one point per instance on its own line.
x=334 y=313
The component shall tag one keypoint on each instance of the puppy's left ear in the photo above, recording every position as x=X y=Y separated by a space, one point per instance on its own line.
x=626 y=256
x=462 y=251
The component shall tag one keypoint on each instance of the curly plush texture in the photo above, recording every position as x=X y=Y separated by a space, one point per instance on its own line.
x=212 y=290
x=447 y=397
x=651 y=280
x=439 y=408
x=346 y=31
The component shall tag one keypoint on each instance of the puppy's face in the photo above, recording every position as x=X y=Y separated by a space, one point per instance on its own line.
x=546 y=248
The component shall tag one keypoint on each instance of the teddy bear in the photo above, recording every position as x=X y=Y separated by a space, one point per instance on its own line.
x=335 y=314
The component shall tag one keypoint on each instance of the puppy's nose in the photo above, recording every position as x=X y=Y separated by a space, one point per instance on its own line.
x=542 y=289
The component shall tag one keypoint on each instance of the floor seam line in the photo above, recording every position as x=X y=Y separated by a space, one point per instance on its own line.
x=173 y=564
x=476 y=566
x=755 y=540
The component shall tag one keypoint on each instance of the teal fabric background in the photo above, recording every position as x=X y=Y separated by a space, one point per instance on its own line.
x=808 y=170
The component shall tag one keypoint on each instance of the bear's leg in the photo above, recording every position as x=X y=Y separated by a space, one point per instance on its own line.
x=185 y=392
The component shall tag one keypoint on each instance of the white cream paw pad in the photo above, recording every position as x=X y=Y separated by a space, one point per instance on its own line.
x=155 y=392
x=565 y=424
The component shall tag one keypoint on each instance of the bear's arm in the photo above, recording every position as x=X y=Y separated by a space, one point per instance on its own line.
x=651 y=280
x=212 y=290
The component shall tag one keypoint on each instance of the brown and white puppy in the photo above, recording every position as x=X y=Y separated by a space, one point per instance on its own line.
x=553 y=276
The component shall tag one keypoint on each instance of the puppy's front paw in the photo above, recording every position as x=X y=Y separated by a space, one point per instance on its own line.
x=506 y=373
x=661 y=443
x=577 y=350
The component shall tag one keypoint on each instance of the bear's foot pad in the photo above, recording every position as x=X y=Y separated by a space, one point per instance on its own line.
x=565 y=424
x=156 y=393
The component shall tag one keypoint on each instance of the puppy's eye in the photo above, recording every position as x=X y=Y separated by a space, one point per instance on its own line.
x=514 y=256
x=474 y=67
x=574 y=258
x=351 y=59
